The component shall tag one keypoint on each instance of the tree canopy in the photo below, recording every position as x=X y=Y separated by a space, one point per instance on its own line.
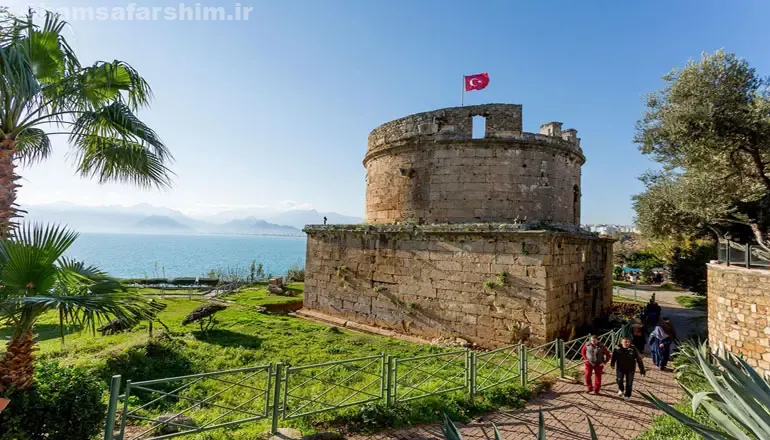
x=709 y=128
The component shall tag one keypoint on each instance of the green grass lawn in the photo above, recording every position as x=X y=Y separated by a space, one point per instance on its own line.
x=692 y=302
x=259 y=296
x=242 y=338
x=616 y=283
x=616 y=298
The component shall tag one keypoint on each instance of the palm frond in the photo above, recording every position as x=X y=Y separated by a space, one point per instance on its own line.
x=117 y=160
x=28 y=259
x=117 y=121
x=88 y=311
x=33 y=146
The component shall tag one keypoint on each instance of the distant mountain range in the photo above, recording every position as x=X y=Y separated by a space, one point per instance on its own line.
x=144 y=218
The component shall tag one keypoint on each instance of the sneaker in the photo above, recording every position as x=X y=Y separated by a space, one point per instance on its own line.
x=626 y=398
x=596 y=392
x=589 y=391
x=620 y=393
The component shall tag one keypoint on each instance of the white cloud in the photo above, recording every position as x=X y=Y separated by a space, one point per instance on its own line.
x=291 y=205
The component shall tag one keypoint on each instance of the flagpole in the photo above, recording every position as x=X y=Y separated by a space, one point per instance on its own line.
x=462 y=100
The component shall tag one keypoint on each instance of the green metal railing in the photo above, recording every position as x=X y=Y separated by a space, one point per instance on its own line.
x=190 y=404
x=309 y=389
x=202 y=402
x=430 y=375
x=542 y=360
x=496 y=367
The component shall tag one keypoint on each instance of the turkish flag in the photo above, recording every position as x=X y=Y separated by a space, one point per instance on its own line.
x=476 y=82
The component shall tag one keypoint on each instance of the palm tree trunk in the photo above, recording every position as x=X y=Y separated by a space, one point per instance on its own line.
x=8 y=185
x=17 y=367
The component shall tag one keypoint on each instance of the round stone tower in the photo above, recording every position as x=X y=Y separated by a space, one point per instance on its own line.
x=432 y=168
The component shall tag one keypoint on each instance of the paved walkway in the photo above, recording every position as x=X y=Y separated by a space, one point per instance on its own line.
x=566 y=407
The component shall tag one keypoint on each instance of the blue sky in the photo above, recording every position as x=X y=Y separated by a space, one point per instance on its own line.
x=274 y=112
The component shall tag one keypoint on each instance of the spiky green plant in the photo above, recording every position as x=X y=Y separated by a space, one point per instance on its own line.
x=451 y=432
x=739 y=403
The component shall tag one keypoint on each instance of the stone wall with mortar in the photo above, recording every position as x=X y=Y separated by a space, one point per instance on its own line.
x=426 y=168
x=739 y=312
x=445 y=280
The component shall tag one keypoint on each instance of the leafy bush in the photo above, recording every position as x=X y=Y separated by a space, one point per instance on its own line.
x=296 y=273
x=688 y=266
x=155 y=359
x=66 y=403
x=626 y=310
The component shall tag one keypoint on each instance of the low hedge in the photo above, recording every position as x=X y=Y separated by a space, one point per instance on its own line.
x=190 y=281
x=65 y=403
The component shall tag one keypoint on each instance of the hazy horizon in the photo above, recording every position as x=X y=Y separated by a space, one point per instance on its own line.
x=273 y=112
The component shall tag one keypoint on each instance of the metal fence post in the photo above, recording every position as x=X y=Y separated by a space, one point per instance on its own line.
x=387 y=373
x=748 y=256
x=471 y=373
x=125 y=409
x=727 y=253
x=276 y=398
x=388 y=380
x=112 y=408
x=523 y=364
x=560 y=350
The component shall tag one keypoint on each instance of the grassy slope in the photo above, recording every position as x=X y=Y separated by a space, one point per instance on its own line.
x=692 y=302
x=242 y=338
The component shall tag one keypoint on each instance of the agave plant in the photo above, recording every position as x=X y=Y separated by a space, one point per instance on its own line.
x=739 y=403
x=451 y=432
x=36 y=278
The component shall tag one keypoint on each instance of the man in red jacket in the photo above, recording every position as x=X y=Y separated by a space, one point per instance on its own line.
x=595 y=355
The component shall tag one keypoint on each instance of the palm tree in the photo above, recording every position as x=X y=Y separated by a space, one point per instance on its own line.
x=37 y=278
x=45 y=91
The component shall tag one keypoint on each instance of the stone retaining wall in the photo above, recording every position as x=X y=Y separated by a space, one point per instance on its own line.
x=490 y=284
x=738 y=309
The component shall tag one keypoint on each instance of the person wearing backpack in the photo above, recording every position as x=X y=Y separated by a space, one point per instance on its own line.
x=595 y=355
x=625 y=359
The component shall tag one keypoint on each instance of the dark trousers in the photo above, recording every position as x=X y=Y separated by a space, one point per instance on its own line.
x=625 y=382
x=639 y=342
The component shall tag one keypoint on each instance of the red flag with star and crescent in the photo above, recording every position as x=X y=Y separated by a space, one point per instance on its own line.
x=476 y=82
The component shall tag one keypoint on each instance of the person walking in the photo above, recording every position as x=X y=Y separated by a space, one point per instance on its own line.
x=652 y=311
x=625 y=359
x=595 y=355
x=660 y=346
x=637 y=335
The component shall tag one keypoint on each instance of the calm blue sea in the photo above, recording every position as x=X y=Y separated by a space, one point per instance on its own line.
x=147 y=255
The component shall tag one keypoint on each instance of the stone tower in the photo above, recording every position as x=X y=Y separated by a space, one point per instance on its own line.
x=467 y=234
x=427 y=168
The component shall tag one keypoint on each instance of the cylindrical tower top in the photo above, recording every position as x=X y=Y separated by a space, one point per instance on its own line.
x=433 y=168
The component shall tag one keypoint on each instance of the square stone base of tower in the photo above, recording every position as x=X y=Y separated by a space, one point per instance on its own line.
x=492 y=284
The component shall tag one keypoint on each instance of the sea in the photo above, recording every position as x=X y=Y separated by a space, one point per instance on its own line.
x=171 y=256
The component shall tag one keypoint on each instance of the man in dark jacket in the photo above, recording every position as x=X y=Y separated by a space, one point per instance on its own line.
x=625 y=359
x=595 y=355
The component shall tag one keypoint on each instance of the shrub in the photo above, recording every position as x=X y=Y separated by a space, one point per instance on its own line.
x=688 y=266
x=154 y=359
x=66 y=403
x=296 y=273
